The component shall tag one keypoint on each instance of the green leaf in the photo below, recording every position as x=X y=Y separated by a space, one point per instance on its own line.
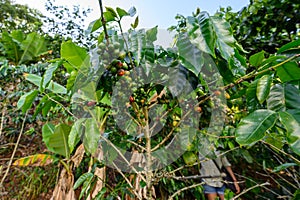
x=283 y=167
x=276 y=99
x=251 y=97
x=49 y=73
x=58 y=141
x=293 y=130
x=111 y=11
x=289 y=46
x=253 y=127
x=86 y=186
x=47 y=131
x=56 y=88
x=76 y=56
x=91 y=135
x=191 y=56
x=121 y=12
x=94 y=25
x=224 y=38
x=108 y=16
x=75 y=134
x=292 y=97
x=35 y=79
x=288 y=72
x=11 y=45
x=25 y=101
x=81 y=179
x=296 y=195
x=151 y=34
x=256 y=59
x=263 y=88
x=34 y=45
x=295 y=113
x=201 y=33
x=136 y=22
x=283 y=98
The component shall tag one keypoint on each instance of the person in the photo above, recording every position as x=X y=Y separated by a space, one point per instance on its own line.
x=214 y=185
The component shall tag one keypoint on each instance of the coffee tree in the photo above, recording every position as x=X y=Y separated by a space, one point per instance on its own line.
x=134 y=116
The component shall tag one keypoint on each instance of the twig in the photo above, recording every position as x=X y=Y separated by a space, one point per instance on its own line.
x=284 y=188
x=14 y=152
x=126 y=179
x=283 y=152
x=103 y=21
x=2 y=119
x=185 y=188
x=256 y=183
x=253 y=74
x=251 y=188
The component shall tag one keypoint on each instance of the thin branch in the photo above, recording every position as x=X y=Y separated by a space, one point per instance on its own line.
x=15 y=149
x=254 y=74
x=283 y=152
x=126 y=179
x=103 y=21
x=185 y=188
x=251 y=188
x=251 y=180
x=2 y=119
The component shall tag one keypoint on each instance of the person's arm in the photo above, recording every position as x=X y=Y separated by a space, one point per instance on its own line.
x=236 y=185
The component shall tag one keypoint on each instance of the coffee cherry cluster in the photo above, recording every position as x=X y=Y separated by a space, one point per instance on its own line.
x=115 y=61
x=139 y=96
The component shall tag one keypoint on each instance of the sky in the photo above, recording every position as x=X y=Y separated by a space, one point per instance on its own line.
x=151 y=12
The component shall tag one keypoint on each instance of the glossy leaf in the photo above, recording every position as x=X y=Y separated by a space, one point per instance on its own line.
x=33 y=46
x=253 y=127
x=33 y=78
x=224 y=38
x=121 y=12
x=75 y=134
x=112 y=11
x=58 y=141
x=25 y=102
x=295 y=113
x=292 y=97
x=49 y=73
x=283 y=167
x=201 y=33
x=190 y=56
x=91 y=135
x=11 y=46
x=251 y=97
x=256 y=59
x=263 y=88
x=151 y=34
x=86 y=185
x=35 y=160
x=56 y=88
x=288 y=72
x=47 y=132
x=94 y=25
x=136 y=22
x=76 y=56
x=293 y=130
x=276 y=99
x=289 y=46
x=81 y=179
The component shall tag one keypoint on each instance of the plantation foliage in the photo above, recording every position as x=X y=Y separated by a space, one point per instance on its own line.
x=125 y=118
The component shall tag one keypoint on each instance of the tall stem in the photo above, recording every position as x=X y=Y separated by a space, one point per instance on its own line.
x=149 y=173
x=103 y=22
